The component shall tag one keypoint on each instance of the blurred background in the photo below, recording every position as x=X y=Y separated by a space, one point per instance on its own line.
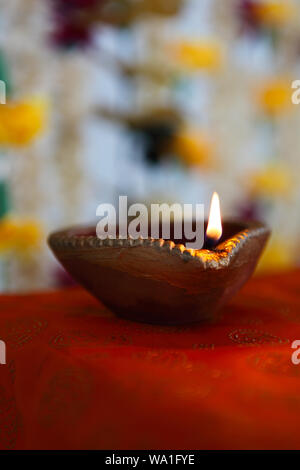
x=159 y=100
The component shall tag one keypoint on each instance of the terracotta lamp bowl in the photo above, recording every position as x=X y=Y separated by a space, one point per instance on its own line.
x=158 y=281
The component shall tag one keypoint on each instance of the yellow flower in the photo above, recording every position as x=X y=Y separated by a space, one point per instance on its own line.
x=198 y=54
x=275 y=97
x=28 y=236
x=278 y=256
x=272 y=181
x=274 y=12
x=19 y=236
x=21 y=122
x=8 y=230
x=193 y=147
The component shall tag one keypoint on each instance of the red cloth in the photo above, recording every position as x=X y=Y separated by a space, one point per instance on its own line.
x=77 y=377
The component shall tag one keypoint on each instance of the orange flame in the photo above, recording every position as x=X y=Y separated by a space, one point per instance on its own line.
x=214 y=227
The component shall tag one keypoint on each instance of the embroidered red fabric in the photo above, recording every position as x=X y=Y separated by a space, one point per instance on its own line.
x=77 y=377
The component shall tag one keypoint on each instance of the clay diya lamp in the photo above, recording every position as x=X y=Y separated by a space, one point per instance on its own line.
x=160 y=280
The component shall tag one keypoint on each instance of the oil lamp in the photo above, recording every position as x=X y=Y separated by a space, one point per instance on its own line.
x=160 y=280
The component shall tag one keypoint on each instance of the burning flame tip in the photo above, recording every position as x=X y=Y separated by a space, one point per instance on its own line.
x=214 y=227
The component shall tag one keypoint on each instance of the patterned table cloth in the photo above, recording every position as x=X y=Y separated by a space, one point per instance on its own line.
x=77 y=377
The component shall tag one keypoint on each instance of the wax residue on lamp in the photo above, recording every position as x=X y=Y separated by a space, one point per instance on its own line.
x=214 y=226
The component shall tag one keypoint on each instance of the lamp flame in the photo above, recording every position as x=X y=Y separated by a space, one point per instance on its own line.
x=214 y=226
